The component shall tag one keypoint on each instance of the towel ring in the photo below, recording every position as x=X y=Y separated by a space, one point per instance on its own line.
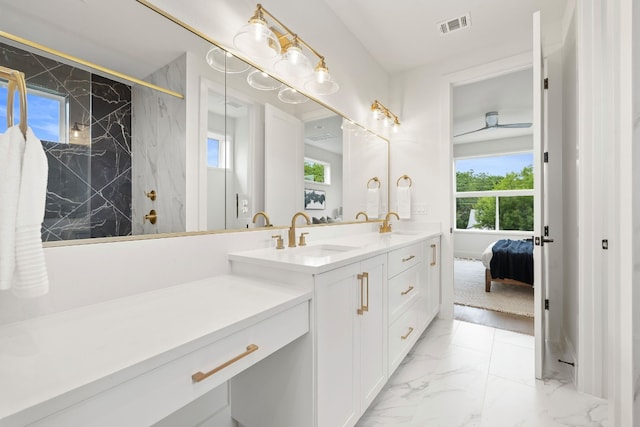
x=374 y=179
x=405 y=177
x=16 y=80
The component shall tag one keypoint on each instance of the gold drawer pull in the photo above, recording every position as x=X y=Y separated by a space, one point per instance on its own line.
x=363 y=307
x=409 y=258
x=199 y=376
x=433 y=254
x=407 y=291
x=404 y=337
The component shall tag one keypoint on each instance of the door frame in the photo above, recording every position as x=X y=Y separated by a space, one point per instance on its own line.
x=449 y=81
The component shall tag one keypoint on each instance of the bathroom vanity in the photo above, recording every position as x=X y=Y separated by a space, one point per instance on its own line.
x=373 y=296
x=318 y=329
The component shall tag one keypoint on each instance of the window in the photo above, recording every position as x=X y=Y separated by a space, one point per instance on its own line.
x=217 y=150
x=495 y=193
x=317 y=171
x=47 y=113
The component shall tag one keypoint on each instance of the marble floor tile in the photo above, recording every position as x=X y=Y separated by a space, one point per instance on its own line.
x=466 y=375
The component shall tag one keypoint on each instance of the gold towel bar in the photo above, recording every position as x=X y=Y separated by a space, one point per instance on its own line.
x=16 y=81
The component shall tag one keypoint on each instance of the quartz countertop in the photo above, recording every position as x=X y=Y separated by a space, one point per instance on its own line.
x=71 y=355
x=321 y=256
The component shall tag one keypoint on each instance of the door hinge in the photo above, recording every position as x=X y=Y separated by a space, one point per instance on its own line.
x=605 y=244
x=546 y=231
x=546 y=157
x=546 y=83
x=546 y=304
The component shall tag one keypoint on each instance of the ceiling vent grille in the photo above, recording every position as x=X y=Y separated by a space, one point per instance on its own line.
x=455 y=24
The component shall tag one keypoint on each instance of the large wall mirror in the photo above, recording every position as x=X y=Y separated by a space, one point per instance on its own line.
x=128 y=160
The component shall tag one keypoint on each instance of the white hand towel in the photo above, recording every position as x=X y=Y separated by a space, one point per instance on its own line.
x=373 y=203
x=31 y=277
x=11 y=148
x=404 y=202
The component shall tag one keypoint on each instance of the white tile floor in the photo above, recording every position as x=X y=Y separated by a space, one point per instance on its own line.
x=464 y=374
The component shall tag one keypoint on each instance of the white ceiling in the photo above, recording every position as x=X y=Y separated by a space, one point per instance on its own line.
x=404 y=34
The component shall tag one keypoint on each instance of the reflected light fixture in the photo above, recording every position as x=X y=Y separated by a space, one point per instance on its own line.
x=76 y=129
x=258 y=39
x=260 y=80
x=380 y=112
x=220 y=60
x=291 y=96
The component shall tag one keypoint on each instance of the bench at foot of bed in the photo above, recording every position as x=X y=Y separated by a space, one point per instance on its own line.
x=488 y=279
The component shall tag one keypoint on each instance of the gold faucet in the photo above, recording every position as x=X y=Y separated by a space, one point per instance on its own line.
x=267 y=223
x=366 y=217
x=386 y=225
x=292 y=230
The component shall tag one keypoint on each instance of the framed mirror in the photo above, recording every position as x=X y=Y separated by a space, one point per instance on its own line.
x=127 y=160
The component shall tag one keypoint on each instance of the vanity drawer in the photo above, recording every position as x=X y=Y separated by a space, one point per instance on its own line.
x=404 y=258
x=403 y=289
x=402 y=334
x=152 y=396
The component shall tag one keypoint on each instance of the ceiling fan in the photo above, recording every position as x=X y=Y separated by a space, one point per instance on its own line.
x=491 y=122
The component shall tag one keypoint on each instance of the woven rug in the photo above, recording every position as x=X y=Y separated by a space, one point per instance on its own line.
x=469 y=290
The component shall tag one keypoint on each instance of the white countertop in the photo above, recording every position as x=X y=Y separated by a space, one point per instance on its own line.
x=349 y=249
x=76 y=353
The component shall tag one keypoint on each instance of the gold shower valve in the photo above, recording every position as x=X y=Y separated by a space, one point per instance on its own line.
x=151 y=216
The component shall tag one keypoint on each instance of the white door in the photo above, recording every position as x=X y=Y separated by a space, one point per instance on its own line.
x=539 y=170
x=283 y=165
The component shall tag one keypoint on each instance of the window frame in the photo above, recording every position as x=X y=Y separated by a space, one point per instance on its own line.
x=327 y=171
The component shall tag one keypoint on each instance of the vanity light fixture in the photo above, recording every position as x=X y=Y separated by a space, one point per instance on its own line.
x=260 y=80
x=258 y=39
x=291 y=96
x=380 y=112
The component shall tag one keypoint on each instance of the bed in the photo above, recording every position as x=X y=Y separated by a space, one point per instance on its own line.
x=508 y=261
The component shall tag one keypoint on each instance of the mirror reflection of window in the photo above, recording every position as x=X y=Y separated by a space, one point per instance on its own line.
x=47 y=113
x=217 y=149
x=317 y=171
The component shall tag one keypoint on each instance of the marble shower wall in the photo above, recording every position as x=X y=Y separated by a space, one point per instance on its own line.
x=89 y=183
x=159 y=151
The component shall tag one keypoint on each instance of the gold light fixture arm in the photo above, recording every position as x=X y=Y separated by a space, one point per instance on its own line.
x=261 y=11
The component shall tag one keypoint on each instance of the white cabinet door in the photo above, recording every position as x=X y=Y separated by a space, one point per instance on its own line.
x=373 y=337
x=433 y=266
x=351 y=340
x=337 y=298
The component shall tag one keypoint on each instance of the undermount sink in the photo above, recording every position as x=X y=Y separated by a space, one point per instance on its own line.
x=321 y=250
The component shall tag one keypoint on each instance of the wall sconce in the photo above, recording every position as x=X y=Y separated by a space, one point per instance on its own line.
x=380 y=112
x=77 y=128
x=259 y=40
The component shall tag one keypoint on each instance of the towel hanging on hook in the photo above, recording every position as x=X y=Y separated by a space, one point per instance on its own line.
x=405 y=177
x=16 y=81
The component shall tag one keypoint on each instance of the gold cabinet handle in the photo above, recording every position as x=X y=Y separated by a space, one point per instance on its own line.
x=404 y=337
x=363 y=307
x=433 y=254
x=199 y=376
x=407 y=291
x=409 y=258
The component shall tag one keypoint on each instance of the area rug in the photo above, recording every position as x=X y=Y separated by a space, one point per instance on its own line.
x=469 y=290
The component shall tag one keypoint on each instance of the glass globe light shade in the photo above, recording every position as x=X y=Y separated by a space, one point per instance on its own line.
x=326 y=87
x=262 y=81
x=224 y=61
x=291 y=96
x=256 y=40
x=293 y=64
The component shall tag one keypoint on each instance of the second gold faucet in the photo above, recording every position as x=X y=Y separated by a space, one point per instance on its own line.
x=292 y=230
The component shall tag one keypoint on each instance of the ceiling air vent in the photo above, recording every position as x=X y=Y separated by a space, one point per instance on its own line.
x=455 y=24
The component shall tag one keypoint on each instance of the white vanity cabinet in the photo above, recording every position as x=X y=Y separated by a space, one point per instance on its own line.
x=351 y=362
